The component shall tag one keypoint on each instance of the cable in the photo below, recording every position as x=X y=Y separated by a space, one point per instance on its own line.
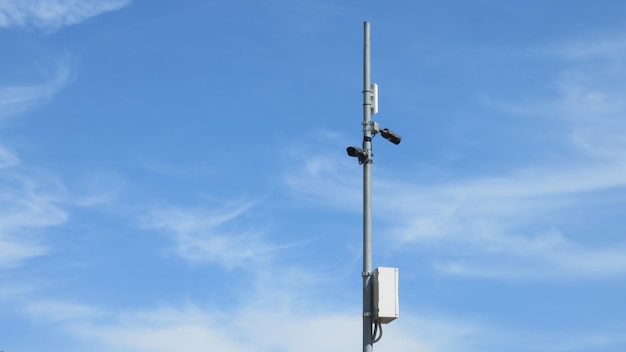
x=378 y=329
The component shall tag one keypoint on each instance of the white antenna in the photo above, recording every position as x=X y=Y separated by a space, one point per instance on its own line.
x=374 y=88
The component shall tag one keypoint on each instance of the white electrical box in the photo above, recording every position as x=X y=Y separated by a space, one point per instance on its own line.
x=386 y=307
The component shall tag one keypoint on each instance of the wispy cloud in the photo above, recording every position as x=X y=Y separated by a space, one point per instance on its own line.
x=28 y=201
x=486 y=225
x=587 y=97
x=266 y=328
x=606 y=47
x=250 y=327
x=25 y=205
x=16 y=98
x=208 y=235
x=604 y=338
x=7 y=158
x=53 y=14
x=323 y=178
x=57 y=311
x=13 y=251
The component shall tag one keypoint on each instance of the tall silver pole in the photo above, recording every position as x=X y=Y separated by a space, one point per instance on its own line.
x=367 y=196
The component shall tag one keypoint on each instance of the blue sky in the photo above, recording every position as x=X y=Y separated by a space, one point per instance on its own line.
x=173 y=175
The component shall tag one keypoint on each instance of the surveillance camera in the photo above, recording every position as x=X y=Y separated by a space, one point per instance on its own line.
x=357 y=152
x=391 y=136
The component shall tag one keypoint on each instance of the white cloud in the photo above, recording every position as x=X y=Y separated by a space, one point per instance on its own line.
x=25 y=205
x=483 y=225
x=605 y=48
x=53 y=14
x=60 y=311
x=566 y=260
x=268 y=328
x=7 y=158
x=587 y=97
x=263 y=328
x=192 y=330
x=13 y=251
x=18 y=98
x=205 y=235
x=321 y=180
x=28 y=201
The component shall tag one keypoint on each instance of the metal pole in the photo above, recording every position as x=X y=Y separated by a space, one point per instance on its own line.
x=367 y=196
